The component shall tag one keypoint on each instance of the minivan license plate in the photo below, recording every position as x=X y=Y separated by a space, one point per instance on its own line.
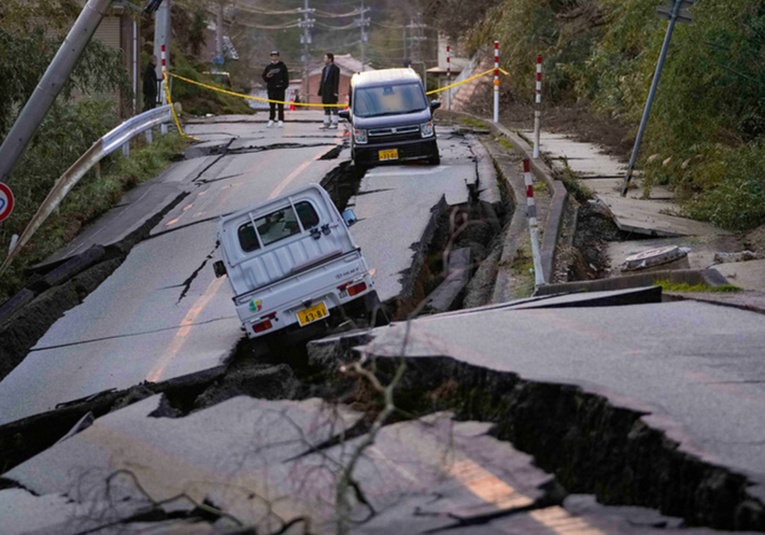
x=388 y=154
x=311 y=314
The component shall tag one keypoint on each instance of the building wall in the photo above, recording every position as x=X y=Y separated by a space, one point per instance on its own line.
x=116 y=31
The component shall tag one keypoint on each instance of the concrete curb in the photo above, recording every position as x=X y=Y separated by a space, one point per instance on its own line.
x=518 y=224
x=709 y=277
x=542 y=172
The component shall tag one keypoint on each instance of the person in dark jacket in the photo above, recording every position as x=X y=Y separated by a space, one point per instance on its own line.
x=329 y=89
x=277 y=79
x=150 y=82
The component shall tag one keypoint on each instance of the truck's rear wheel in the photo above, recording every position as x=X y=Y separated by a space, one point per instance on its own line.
x=376 y=313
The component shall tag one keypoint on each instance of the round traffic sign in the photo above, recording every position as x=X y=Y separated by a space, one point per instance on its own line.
x=6 y=201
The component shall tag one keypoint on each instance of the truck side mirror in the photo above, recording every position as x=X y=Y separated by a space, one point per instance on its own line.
x=219 y=268
x=349 y=216
x=344 y=114
x=434 y=105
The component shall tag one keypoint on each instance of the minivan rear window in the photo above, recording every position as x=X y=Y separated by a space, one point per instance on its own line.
x=390 y=99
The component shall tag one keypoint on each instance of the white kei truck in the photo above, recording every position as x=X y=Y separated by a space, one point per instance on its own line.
x=292 y=262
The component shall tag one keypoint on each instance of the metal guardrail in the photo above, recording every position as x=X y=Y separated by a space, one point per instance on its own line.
x=116 y=138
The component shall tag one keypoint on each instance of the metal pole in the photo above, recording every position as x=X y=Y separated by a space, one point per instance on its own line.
x=160 y=35
x=363 y=23
x=647 y=111
x=406 y=44
x=539 y=276
x=306 y=40
x=538 y=109
x=448 y=77
x=219 y=33
x=496 y=82
x=135 y=67
x=50 y=85
x=163 y=20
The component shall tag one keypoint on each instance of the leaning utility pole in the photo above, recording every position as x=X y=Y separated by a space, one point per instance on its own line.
x=675 y=12
x=50 y=85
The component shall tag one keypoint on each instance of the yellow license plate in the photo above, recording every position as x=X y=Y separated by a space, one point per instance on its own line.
x=311 y=314
x=388 y=154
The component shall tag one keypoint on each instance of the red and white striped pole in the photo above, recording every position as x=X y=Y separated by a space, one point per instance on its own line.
x=531 y=213
x=163 y=53
x=496 y=81
x=448 y=77
x=538 y=108
x=165 y=80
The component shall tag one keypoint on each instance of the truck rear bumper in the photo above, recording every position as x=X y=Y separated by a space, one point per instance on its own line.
x=313 y=297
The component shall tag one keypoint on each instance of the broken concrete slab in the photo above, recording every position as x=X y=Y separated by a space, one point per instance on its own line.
x=683 y=353
x=236 y=454
x=445 y=295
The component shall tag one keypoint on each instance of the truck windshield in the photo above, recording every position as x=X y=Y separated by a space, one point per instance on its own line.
x=389 y=100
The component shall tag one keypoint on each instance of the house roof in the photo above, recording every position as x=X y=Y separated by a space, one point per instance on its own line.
x=348 y=65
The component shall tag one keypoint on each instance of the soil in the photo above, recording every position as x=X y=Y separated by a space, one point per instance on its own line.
x=755 y=241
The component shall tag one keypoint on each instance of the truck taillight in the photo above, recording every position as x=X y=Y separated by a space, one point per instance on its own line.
x=262 y=326
x=353 y=288
x=265 y=324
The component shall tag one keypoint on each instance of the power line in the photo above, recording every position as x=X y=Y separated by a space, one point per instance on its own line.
x=329 y=15
x=332 y=28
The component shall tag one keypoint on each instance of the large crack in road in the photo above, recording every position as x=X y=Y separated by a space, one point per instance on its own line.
x=587 y=443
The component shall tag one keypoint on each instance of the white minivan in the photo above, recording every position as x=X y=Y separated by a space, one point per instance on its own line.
x=292 y=262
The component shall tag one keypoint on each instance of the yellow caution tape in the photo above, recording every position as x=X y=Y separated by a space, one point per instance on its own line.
x=250 y=97
x=307 y=104
x=490 y=71
x=175 y=115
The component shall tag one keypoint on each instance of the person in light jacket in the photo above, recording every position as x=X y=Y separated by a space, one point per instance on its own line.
x=277 y=79
x=329 y=89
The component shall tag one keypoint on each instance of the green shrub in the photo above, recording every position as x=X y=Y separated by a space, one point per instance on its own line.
x=732 y=187
x=199 y=101
x=93 y=196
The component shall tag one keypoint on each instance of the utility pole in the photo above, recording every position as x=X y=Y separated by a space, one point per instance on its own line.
x=675 y=11
x=407 y=59
x=363 y=23
x=306 y=23
x=417 y=37
x=218 y=59
x=162 y=37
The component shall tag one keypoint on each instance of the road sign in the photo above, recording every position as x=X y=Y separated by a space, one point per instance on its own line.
x=6 y=201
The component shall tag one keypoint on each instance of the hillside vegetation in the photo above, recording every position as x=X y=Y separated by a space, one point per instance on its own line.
x=705 y=135
x=84 y=111
x=705 y=138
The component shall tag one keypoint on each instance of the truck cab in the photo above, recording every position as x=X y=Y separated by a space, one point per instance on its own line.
x=291 y=262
